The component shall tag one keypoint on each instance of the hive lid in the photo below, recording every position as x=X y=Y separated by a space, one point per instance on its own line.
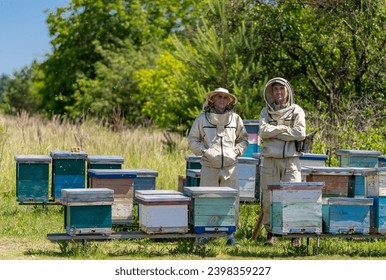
x=193 y=158
x=358 y=153
x=247 y=160
x=112 y=173
x=143 y=172
x=347 y=201
x=162 y=198
x=330 y=170
x=309 y=156
x=98 y=196
x=251 y=122
x=210 y=192
x=105 y=159
x=32 y=159
x=68 y=155
x=157 y=192
x=297 y=186
x=193 y=173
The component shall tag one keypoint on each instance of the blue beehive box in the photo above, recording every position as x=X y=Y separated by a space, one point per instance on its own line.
x=32 y=178
x=247 y=169
x=68 y=171
x=346 y=215
x=121 y=181
x=382 y=161
x=358 y=158
x=308 y=159
x=145 y=179
x=378 y=215
x=87 y=211
x=357 y=182
x=252 y=127
x=212 y=209
x=296 y=207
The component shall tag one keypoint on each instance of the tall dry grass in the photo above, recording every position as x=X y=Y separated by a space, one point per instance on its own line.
x=140 y=147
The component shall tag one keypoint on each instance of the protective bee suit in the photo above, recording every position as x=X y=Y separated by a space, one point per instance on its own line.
x=281 y=125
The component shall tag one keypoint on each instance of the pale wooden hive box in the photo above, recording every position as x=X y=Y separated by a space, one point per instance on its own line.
x=346 y=215
x=376 y=183
x=247 y=169
x=121 y=181
x=212 y=209
x=163 y=212
x=87 y=211
x=296 y=207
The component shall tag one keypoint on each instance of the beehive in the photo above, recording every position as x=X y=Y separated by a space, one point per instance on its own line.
x=212 y=209
x=87 y=211
x=296 y=207
x=252 y=127
x=308 y=159
x=104 y=162
x=163 y=212
x=247 y=169
x=359 y=180
x=376 y=183
x=382 y=161
x=145 y=179
x=121 y=181
x=32 y=178
x=378 y=215
x=68 y=171
x=193 y=177
x=358 y=158
x=336 y=179
x=193 y=162
x=346 y=215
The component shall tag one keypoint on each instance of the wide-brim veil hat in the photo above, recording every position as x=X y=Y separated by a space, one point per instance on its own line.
x=209 y=95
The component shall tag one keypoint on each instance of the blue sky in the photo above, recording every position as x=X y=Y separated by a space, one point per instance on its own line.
x=24 y=32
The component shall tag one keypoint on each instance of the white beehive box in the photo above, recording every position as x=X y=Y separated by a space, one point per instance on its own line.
x=163 y=213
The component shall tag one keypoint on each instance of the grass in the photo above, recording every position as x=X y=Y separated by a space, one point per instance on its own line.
x=24 y=228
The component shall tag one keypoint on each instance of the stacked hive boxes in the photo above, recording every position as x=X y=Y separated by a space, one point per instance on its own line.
x=252 y=127
x=121 y=181
x=32 y=178
x=376 y=189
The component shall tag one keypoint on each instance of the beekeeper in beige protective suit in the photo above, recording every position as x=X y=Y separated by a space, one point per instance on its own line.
x=219 y=136
x=282 y=123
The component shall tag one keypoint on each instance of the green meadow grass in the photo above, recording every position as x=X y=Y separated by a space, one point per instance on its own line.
x=24 y=228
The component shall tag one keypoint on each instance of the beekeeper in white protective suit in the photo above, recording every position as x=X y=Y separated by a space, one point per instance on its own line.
x=282 y=123
x=219 y=136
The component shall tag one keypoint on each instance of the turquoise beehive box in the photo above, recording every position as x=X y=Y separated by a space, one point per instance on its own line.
x=358 y=158
x=193 y=177
x=145 y=179
x=193 y=162
x=212 y=209
x=104 y=162
x=346 y=215
x=32 y=178
x=378 y=215
x=87 y=211
x=68 y=171
x=296 y=207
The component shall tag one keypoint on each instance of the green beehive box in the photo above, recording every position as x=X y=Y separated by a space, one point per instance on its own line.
x=32 y=178
x=68 y=171
x=358 y=158
x=193 y=162
x=87 y=211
